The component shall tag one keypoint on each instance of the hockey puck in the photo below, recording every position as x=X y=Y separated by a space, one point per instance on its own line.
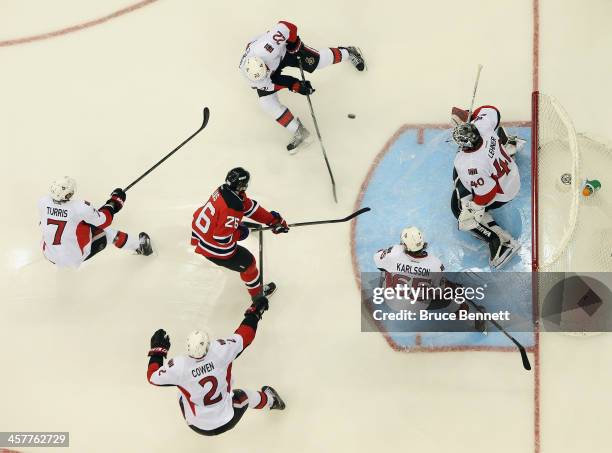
x=351 y=116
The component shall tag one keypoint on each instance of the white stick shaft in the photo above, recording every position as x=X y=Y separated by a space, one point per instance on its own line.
x=474 y=93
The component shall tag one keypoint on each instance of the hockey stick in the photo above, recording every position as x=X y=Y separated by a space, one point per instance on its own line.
x=256 y=227
x=520 y=347
x=204 y=123
x=261 y=263
x=469 y=117
x=314 y=120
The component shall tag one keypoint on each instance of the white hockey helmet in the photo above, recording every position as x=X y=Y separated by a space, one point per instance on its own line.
x=198 y=343
x=255 y=69
x=62 y=189
x=412 y=238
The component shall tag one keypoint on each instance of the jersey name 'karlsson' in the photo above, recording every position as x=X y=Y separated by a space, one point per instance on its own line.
x=395 y=261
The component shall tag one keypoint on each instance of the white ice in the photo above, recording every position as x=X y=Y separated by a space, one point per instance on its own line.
x=104 y=103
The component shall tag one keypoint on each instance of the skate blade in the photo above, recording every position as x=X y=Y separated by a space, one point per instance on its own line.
x=305 y=144
x=508 y=257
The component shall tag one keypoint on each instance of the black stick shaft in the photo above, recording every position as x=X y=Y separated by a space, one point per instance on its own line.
x=261 y=262
x=314 y=120
x=255 y=226
x=520 y=347
x=167 y=156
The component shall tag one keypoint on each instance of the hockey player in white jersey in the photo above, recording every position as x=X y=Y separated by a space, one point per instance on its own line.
x=73 y=231
x=486 y=177
x=265 y=58
x=408 y=263
x=206 y=398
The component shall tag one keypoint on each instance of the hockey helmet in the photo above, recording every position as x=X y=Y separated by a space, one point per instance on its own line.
x=238 y=179
x=255 y=69
x=412 y=238
x=62 y=189
x=466 y=135
x=198 y=343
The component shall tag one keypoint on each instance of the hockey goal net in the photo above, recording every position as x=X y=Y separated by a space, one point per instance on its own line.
x=571 y=232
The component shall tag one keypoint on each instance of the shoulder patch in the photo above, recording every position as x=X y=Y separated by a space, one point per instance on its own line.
x=170 y=363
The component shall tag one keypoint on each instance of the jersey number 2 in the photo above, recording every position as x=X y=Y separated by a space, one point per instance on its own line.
x=60 y=224
x=208 y=398
x=278 y=37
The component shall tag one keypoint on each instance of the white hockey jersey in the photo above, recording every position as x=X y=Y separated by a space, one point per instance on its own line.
x=271 y=47
x=205 y=387
x=66 y=229
x=401 y=268
x=489 y=172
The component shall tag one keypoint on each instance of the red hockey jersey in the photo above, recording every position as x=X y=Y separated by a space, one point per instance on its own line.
x=214 y=229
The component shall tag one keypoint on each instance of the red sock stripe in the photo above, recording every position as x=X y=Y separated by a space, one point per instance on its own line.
x=120 y=239
x=264 y=400
x=337 y=54
x=285 y=118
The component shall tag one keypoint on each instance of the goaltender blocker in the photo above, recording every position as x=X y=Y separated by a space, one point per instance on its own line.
x=486 y=177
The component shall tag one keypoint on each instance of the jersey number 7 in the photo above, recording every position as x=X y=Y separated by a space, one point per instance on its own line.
x=60 y=224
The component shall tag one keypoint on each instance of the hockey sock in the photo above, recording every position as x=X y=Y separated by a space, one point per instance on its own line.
x=259 y=400
x=288 y=121
x=331 y=56
x=250 y=277
x=123 y=240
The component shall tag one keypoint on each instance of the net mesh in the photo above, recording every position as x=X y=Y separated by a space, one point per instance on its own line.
x=574 y=232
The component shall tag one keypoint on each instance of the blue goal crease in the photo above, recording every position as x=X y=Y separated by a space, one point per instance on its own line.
x=412 y=186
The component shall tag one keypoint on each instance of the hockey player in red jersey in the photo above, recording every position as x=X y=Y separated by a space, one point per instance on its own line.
x=486 y=177
x=265 y=58
x=204 y=377
x=73 y=231
x=217 y=228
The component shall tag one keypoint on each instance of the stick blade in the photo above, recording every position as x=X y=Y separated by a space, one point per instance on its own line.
x=206 y=115
x=359 y=212
x=526 y=363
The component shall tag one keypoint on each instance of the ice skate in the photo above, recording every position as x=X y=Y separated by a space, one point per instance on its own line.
x=504 y=254
x=277 y=402
x=268 y=290
x=356 y=58
x=298 y=138
x=145 y=245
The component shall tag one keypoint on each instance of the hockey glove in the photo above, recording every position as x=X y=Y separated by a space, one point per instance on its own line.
x=470 y=216
x=116 y=200
x=243 y=232
x=279 y=225
x=294 y=47
x=303 y=87
x=257 y=308
x=160 y=343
